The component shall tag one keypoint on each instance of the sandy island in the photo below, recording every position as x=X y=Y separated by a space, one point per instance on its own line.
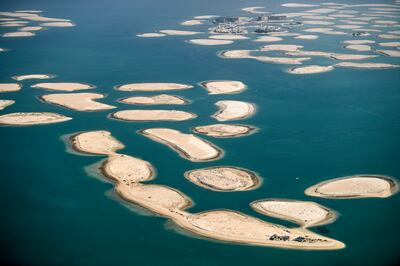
x=366 y=65
x=224 y=130
x=359 y=42
x=224 y=179
x=63 y=86
x=188 y=146
x=228 y=37
x=99 y=142
x=392 y=53
x=150 y=35
x=155 y=100
x=389 y=44
x=268 y=39
x=152 y=87
x=313 y=69
x=210 y=42
x=357 y=186
x=192 y=22
x=304 y=213
x=32 y=118
x=33 y=76
x=223 y=86
x=5 y=103
x=307 y=37
x=359 y=47
x=19 y=34
x=179 y=32
x=9 y=87
x=77 y=101
x=35 y=28
x=233 y=110
x=58 y=24
x=336 y=56
x=153 y=115
x=127 y=169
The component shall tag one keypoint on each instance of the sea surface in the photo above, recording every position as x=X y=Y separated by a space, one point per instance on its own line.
x=311 y=128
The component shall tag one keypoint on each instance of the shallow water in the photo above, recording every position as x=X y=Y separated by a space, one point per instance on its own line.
x=312 y=127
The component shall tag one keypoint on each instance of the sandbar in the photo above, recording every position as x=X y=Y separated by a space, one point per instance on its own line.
x=298 y=5
x=359 y=42
x=127 y=169
x=389 y=36
x=98 y=142
x=188 y=146
x=210 y=42
x=254 y=9
x=307 y=37
x=223 y=86
x=150 y=35
x=359 y=47
x=389 y=44
x=179 y=32
x=304 y=213
x=281 y=47
x=77 y=101
x=153 y=87
x=57 y=24
x=224 y=130
x=392 y=53
x=313 y=69
x=357 y=186
x=317 y=22
x=366 y=65
x=9 y=87
x=63 y=86
x=228 y=37
x=5 y=103
x=153 y=115
x=233 y=110
x=33 y=76
x=35 y=28
x=336 y=56
x=192 y=22
x=155 y=100
x=268 y=39
x=32 y=118
x=224 y=179
x=19 y=34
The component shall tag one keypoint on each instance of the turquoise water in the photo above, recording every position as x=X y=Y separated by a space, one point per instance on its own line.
x=312 y=127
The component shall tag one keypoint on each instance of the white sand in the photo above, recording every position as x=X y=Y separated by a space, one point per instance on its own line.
x=389 y=44
x=127 y=169
x=188 y=146
x=179 y=32
x=313 y=69
x=210 y=42
x=33 y=76
x=305 y=213
x=359 y=42
x=224 y=179
x=336 y=56
x=307 y=37
x=153 y=115
x=205 y=17
x=322 y=10
x=392 y=53
x=359 y=47
x=281 y=47
x=366 y=65
x=5 y=103
x=268 y=39
x=317 y=22
x=19 y=34
x=254 y=9
x=224 y=130
x=389 y=36
x=223 y=86
x=99 y=142
x=192 y=22
x=358 y=186
x=32 y=118
x=77 y=101
x=347 y=27
x=228 y=37
x=298 y=5
x=233 y=110
x=9 y=87
x=236 y=54
x=58 y=24
x=281 y=60
x=153 y=87
x=36 y=28
x=151 y=35
x=154 y=100
x=63 y=86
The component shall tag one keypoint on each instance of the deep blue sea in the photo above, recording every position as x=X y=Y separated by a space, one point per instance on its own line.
x=312 y=128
